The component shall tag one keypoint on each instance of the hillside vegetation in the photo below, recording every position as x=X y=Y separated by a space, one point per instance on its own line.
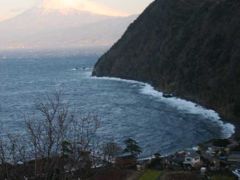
x=187 y=47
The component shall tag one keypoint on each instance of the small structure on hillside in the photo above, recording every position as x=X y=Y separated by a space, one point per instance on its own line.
x=192 y=159
x=234 y=159
x=203 y=171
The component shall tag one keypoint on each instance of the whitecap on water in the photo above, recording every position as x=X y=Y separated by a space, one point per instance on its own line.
x=192 y=108
x=182 y=105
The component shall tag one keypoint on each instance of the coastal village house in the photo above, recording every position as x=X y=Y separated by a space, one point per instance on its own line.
x=234 y=159
x=192 y=159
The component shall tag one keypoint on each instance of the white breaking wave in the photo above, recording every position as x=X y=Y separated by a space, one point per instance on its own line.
x=118 y=79
x=192 y=108
x=183 y=105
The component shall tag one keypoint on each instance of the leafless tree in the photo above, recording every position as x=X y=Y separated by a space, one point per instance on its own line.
x=56 y=133
x=110 y=150
x=56 y=141
x=3 y=158
x=13 y=152
x=47 y=131
x=84 y=142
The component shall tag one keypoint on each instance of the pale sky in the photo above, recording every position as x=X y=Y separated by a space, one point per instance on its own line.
x=10 y=8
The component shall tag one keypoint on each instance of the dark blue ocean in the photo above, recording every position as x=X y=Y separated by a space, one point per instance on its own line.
x=126 y=108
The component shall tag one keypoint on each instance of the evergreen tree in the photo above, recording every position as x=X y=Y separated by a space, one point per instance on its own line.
x=132 y=147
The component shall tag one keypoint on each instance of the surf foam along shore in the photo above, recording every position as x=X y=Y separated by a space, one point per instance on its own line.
x=228 y=129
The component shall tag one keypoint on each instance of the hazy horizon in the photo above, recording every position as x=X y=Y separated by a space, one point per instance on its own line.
x=54 y=24
x=12 y=8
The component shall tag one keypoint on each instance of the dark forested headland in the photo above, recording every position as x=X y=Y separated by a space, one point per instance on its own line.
x=187 y=47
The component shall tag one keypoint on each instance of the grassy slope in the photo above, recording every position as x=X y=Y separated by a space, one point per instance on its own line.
x=150 y=175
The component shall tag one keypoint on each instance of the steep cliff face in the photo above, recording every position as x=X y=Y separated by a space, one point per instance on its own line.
x=187 y=47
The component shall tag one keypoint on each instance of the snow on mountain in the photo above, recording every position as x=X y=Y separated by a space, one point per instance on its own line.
x=54 y=28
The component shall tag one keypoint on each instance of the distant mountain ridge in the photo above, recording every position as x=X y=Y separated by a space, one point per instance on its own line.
x=51 y=28
x=187 y=47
